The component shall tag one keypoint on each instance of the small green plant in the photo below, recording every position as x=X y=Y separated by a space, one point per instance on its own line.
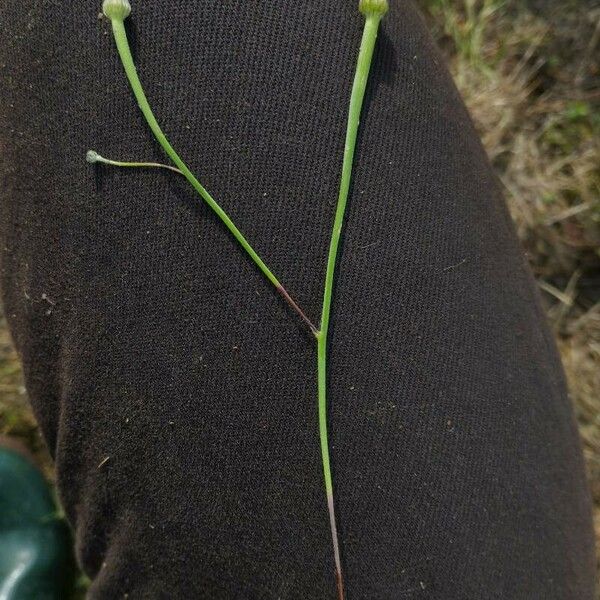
x=373 y=10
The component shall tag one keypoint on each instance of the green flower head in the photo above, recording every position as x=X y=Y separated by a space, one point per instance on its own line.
x=116 y=9
x=373 y=7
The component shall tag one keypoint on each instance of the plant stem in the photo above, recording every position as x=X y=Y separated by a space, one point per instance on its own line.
x=94 y=157
x=356 y=101
x=125 y=53
x=373 y=11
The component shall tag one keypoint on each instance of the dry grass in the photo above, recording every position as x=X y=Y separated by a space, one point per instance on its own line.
x=15 y=417
x=532 y=82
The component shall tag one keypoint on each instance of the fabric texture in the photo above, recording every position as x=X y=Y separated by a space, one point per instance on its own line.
x=175 y=389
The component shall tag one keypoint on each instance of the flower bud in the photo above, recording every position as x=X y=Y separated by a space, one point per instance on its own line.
x=116 y=9
x=92 y=157
x=373 y=7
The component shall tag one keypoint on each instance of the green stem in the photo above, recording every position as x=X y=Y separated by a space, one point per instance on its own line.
x=131 y=72
x=94 y=157
x=356 y=101
x=373 y=11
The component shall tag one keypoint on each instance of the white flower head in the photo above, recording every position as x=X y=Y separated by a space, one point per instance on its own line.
x=92 y=156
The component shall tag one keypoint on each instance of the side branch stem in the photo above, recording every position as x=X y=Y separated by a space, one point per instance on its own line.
x=136 y=86
x=149 y=165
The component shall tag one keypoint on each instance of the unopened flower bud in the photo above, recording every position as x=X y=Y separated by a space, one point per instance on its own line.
x=373 y=7
x=92 y=157
x=116 y=9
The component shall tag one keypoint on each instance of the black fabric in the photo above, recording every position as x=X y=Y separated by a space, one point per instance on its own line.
x=176 y=390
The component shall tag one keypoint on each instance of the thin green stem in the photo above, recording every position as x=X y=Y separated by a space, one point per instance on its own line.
x=373 y=10
x=125 y=53
x=94 y=157
x=356 y=101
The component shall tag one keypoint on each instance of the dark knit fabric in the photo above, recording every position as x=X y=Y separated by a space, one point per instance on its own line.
x=175 y=389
